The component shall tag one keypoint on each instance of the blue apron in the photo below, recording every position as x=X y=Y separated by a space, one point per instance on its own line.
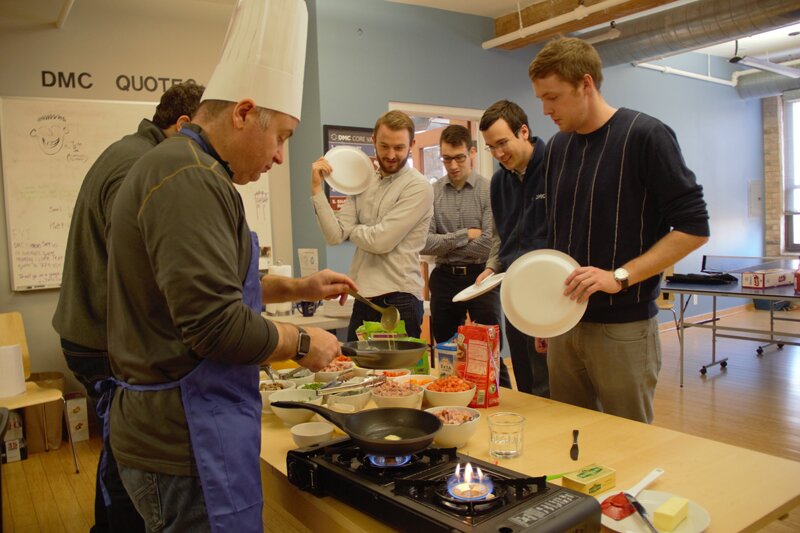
x=223 y=412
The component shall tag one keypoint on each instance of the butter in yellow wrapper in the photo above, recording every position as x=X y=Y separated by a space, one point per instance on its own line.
x=591 y=480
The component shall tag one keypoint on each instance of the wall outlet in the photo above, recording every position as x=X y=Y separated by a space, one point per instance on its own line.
x=694 y=299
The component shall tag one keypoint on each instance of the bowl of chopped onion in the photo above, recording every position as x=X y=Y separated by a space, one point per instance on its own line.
x=459 y=424
x=398 y=394
x=449 y=390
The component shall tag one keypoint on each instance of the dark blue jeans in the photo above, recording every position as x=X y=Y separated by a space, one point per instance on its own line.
x=172 y=504
x=530 y=367
x=410 y=307
x=447 y=315
x=90 y=366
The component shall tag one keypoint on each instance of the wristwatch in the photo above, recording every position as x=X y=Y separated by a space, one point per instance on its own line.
x=621 y=277
x=303 y=344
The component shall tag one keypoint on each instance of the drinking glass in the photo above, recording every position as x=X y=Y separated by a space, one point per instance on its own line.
x=505 y=435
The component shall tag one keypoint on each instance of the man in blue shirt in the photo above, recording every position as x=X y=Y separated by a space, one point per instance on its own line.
x=517 y=195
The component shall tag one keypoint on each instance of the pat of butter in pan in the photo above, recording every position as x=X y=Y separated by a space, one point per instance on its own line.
x=671 y=513
x=391 y=437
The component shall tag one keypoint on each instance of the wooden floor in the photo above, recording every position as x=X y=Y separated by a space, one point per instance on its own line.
x=754 y=403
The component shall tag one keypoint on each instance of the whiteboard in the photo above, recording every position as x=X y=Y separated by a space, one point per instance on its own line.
x=48 y=146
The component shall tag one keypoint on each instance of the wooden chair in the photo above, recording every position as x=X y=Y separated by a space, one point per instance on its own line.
x=12 y=331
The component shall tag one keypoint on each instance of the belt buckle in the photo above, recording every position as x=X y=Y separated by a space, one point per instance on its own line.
x=460 y=271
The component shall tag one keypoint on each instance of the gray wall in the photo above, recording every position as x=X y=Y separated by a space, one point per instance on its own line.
x=361 y=55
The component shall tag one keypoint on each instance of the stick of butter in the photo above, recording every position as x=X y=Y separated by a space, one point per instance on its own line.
x=671 y=513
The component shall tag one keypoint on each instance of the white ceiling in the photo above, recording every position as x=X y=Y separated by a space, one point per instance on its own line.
x=763 y=45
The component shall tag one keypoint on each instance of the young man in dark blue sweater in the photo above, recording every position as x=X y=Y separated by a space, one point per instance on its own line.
x=517 y=198
x=623 y=204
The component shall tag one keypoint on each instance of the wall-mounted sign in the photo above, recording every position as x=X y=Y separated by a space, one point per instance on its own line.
x=346 y=136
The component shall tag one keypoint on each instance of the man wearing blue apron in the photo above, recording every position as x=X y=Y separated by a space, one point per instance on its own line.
x=185 y=331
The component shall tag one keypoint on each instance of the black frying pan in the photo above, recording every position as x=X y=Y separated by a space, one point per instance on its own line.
x=368 y=428
x=384 y=353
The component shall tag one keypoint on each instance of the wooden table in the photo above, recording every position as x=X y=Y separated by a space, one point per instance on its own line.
x=743 y=490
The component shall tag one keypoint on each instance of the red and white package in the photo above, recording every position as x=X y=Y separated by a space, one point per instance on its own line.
x=478 y=361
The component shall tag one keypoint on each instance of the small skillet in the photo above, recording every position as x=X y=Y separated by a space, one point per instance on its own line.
x=370 y=428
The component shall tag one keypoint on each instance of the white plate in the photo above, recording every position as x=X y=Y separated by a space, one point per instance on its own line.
x=696 y=521
x=532 y=294
x=473 y=291
x=352 y=170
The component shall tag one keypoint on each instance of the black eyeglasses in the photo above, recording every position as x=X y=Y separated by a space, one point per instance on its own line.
x=501 y=145
x=460 y=158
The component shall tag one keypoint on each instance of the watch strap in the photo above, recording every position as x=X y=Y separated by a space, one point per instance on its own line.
x=303 y=344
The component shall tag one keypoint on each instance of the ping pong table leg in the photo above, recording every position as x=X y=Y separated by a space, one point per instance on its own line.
x=724 y=361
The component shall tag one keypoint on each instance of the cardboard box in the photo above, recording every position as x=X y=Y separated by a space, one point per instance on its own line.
x=591 y=480
x=761 y=279
x=78 y=416
x=14 y=450
x=14 y=426
x=79 y=430
x=446 y=357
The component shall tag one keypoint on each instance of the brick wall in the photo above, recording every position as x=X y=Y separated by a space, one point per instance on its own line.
x=772 y=113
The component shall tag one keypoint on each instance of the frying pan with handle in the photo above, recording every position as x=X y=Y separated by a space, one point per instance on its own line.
x=384 y=353
x=370 y=428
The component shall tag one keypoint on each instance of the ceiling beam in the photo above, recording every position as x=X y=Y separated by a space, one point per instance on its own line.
x=543 y=11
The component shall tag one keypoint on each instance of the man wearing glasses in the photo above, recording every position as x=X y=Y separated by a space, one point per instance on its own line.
x=460 y=236
x=518 y=206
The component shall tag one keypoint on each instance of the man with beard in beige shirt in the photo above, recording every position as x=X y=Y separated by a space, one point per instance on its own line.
x=388 y=224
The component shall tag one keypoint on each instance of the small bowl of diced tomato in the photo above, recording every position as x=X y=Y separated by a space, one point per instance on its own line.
x=392 y=374
x=449 y=390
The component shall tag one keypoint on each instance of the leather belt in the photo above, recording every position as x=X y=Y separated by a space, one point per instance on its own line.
x=462 y=270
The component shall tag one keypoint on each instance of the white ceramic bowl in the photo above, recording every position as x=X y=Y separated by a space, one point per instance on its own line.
x=303 y=376
x=311 y=433
x=311 y=385
x=461 y=398
x=455 y=435
x=357 y=399
x=266 y=394
x=290 y=417
x=330 y=376
x=414 y=400
x=394 y=373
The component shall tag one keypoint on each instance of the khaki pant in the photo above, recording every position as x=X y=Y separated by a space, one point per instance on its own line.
x=607 y=367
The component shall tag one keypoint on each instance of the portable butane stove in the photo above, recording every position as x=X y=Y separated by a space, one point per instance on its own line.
x=428 y=491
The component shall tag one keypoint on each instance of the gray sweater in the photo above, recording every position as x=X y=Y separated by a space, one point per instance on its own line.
x=81 y=312
x=179 y=248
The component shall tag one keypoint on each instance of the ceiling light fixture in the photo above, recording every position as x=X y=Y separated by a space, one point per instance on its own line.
x=769 y=66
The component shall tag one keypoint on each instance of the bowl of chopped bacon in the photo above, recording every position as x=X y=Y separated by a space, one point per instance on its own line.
x=397 y=394
x=449 y=390
x=459 y=424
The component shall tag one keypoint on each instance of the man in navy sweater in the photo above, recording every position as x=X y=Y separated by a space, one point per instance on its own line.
x=517 y=198
x=623 y=204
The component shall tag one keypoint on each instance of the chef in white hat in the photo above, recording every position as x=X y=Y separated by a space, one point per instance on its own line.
x=185 y=331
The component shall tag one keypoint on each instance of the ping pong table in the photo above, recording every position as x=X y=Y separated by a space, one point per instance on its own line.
x=735 y=266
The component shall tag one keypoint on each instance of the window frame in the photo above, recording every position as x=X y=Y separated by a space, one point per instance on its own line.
x=791 y=170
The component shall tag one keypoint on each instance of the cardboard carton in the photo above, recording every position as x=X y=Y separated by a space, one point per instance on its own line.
x=762 y=279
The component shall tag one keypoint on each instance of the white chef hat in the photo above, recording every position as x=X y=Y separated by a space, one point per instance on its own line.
x=264 y=56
